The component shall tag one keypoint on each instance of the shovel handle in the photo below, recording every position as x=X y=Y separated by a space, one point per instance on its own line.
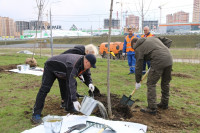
x=133 y=92
x=145 y=75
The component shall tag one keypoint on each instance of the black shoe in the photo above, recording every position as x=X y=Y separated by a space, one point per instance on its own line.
x=36 y=119
x=62 y=105
x=162 y=106
x=149 y=110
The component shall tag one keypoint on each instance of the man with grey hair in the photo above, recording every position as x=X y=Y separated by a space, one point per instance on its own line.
x=146 y=34
x=154 y=50
x=67 y=67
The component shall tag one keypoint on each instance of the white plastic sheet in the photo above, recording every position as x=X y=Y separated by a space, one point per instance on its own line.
x=37 y=71
x=71 y=120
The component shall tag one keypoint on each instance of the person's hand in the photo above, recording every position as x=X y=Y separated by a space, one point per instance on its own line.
x=123 y=54
x=91 y=87
x=137 y=85
x=82 y=78
x=77 y=105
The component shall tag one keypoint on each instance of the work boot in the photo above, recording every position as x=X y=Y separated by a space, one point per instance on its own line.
x=162 y=106
x=36 y=119
x=151 y=111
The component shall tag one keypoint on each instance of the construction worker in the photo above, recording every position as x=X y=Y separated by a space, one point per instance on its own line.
x=154 y=50
x=80 y=50
x=68 y=67
x=146 y=34
x=129 y=51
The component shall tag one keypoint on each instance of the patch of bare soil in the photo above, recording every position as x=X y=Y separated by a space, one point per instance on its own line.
x=120 y=112
x=8 y=67
x=182 y=75
x=164 y=121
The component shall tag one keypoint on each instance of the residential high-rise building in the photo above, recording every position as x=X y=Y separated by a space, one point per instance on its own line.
x=7 y=26
x=1 y=26
x=178 y=17
x=196 y=11
x=169 y=18
x=21 y=25
x=181 y=17
x=132 y=21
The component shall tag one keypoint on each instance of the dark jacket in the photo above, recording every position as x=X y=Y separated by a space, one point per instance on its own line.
x=153 y=50
x=68 y=67
x=79 y=49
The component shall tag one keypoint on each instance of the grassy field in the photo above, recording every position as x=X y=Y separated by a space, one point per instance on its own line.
x=18 y=91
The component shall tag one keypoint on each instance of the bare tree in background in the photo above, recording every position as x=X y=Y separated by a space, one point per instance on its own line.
x=108 y=60
x=142 y=14
x=40 y=6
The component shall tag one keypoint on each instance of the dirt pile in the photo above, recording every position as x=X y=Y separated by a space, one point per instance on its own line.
x=31 y=61
x=8 y=67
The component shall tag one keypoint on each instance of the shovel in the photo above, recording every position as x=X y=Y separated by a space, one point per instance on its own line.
x=127 y=100
x=76 y=127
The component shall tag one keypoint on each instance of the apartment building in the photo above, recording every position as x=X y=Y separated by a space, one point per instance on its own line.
x=178 y=17
x=7 y=26
x=132 y=21
x=196 y=11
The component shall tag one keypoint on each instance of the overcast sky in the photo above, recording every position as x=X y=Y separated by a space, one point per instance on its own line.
x=87 y=13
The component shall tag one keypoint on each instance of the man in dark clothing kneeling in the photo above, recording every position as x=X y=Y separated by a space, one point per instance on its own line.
x=154 y=50
x=67 y=67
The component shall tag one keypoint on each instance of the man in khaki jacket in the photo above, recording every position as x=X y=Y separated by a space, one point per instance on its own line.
x=154 y=50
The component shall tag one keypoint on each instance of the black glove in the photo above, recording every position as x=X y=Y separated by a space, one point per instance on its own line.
x=96 y=92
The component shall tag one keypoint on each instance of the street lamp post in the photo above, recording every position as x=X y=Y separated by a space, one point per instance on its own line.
x=51 y=36
x=121 y=24
x=51 y=39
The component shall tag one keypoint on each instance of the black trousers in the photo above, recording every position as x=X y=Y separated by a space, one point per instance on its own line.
x=62 y=86
x=47 y=82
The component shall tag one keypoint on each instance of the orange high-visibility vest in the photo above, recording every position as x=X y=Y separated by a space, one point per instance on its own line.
x=128 y=43
x=150 y=35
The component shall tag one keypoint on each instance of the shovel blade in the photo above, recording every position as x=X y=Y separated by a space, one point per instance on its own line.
x=126 y=101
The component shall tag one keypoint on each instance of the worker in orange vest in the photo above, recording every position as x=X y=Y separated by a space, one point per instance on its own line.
x=129 y=51
x=146 y=34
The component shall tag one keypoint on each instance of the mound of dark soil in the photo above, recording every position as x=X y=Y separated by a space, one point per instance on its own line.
x=119 y=111
x=8 y=67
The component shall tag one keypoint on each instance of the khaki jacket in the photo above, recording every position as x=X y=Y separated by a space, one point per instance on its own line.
x=153 y=50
